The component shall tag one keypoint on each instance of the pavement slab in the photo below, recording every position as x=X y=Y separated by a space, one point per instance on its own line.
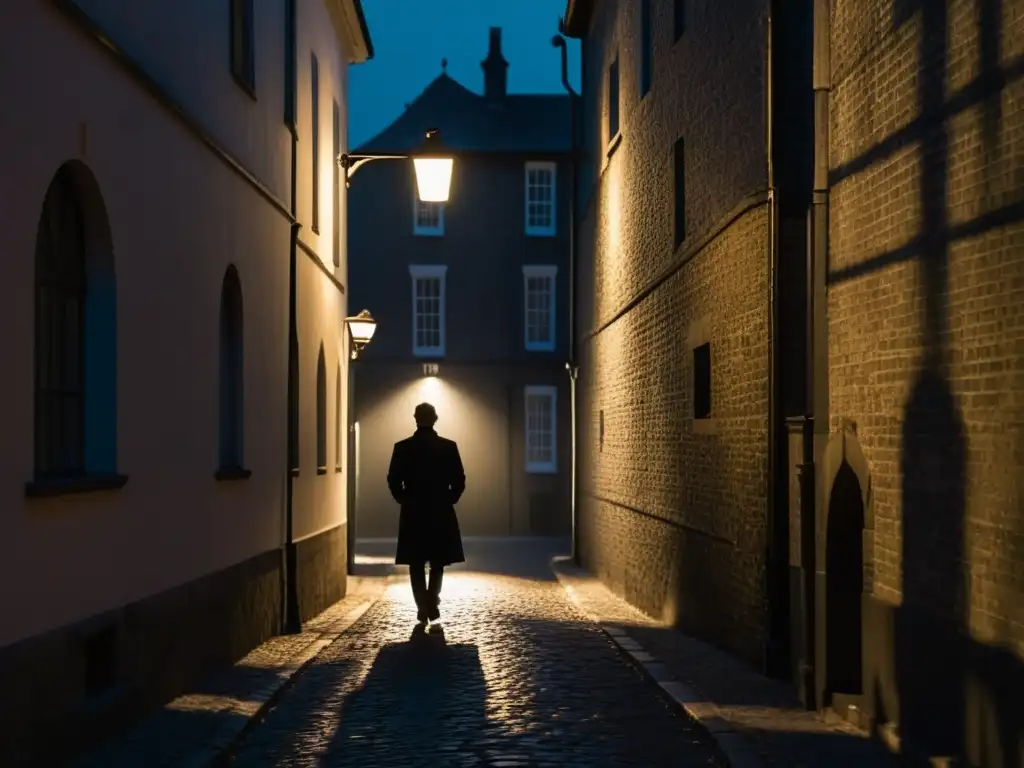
x=756 y=721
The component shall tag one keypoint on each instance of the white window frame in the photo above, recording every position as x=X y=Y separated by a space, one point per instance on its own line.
x=419 y=229
x=550 y=392
x=552 y=228
x=429 y=272
x=542 y=271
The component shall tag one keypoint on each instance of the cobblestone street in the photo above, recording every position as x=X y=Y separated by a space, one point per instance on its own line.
x=515 y=676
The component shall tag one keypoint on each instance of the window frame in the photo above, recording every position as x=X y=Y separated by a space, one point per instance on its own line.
x=430 y=272
x=540 y=467
x=541 y=271
x=678 y=20
x=646 y=49
x=552 y=228
x=419 y=229
x=614 y=99
x=242 y=44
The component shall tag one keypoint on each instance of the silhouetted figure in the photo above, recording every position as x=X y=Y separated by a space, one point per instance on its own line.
x=427 y=479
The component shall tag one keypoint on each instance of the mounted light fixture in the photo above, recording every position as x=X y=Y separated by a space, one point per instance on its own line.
x=433 y=166
x=361 y=328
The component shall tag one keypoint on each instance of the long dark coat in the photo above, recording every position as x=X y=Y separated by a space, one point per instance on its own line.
x=427 y=479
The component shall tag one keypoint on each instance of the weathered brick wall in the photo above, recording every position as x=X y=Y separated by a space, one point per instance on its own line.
x=905 y=255
x=671 y=518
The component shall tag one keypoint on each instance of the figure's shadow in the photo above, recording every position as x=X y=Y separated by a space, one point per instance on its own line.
x=421 y=703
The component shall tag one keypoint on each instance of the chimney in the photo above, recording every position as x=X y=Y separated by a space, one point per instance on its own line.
x=495 y=69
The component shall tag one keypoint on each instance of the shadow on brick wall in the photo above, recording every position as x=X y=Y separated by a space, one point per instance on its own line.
x=957 y=697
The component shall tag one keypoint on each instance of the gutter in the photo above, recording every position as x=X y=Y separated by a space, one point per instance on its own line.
x=773 y=539
x=572 y=365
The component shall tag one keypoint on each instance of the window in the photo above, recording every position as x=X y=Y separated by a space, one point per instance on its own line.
x=314 y=80
x=702 y=381
x=678 y=18
x=540 y=199
x=539 y=307
x=428 y=309
x=321 y=413
x=679 y=175
x=613 y=99
x=232 y=409
x=75 y=331
x=290 y=87
x=336 y=182
x=540 y=429
x=337 y=421
x=645 y=47
x=427 y=218
x=243 y=60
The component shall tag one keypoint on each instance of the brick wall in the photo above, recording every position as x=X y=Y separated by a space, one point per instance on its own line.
x=905 y=259
x=672 y=516
x=926 y=349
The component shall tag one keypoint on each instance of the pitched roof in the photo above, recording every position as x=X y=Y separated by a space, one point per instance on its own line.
x=517 y=123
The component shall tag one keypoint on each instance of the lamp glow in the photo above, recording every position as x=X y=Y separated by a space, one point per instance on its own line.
x=433 y=178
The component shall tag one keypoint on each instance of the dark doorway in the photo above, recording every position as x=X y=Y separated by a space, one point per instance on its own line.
x=844 y=578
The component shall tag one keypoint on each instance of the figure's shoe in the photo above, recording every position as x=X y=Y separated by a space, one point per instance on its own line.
x=435 y=613
x=422 y=616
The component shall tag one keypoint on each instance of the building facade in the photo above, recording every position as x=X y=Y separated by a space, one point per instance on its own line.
x=800 y=346
x=175 y=267
x=471 y=299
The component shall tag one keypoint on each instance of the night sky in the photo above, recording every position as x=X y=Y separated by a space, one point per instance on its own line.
x=410 y=37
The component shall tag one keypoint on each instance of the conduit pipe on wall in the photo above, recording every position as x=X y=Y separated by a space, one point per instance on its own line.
x=572 y=365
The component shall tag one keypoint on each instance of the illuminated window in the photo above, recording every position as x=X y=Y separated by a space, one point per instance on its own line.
x=428 y=309
x=427 y=217
x=540 y=199
x=539 y=307
x=541 y=420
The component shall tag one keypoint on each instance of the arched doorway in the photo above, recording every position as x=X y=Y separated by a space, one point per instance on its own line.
x=844 y=579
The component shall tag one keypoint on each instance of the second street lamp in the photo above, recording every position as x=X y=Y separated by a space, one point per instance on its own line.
x=433 y=165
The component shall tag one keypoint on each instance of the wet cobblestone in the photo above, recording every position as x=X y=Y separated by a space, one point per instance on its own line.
x=515 y=676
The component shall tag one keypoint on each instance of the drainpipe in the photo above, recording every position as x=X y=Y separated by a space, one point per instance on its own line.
x=572 y=366
x=818 y=332
x=292 y=623
x=776 y=540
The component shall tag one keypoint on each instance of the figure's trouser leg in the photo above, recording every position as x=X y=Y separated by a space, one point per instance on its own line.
x=436 y=576
x=418 y=578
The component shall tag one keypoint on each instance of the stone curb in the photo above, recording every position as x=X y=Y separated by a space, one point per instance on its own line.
x=704 y=713
x=218 y=749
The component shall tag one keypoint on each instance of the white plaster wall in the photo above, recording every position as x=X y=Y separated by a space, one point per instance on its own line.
x=186 y=47
x=320 y=500
x=178 y=216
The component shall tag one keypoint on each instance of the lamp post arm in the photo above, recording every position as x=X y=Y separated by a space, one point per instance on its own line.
x=352 y=163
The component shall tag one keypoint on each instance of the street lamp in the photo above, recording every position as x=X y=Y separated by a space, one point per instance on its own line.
x=433 y=166
x=361 y=328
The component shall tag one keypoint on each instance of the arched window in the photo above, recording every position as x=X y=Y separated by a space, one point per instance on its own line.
x=293 y=405
x=337 y=421
x=75 y=331
x=232 y=386
x=321 y=413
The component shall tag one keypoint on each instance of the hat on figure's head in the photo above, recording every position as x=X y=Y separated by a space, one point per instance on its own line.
x=425 y=414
